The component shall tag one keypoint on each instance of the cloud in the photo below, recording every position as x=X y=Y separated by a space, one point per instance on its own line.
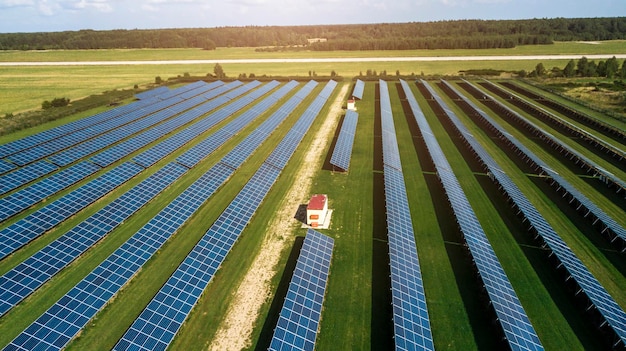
x=48 y=8
x=16 y=3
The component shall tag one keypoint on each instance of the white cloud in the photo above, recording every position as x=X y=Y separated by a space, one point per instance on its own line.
x=48 y=8
x=16 y=3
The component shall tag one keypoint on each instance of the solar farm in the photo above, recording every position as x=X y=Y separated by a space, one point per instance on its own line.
x=486 y=215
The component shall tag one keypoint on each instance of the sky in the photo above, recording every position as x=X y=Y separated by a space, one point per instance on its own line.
x=62 y=15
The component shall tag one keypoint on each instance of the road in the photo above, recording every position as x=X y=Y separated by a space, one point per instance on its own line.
x=316 y=60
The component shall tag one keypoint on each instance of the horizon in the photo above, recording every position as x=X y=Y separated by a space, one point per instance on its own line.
x=41 y=16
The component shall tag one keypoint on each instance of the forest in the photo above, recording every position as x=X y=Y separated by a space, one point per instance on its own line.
x=458 y=34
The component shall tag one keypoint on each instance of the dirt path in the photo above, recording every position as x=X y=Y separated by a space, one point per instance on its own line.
x=236 y=328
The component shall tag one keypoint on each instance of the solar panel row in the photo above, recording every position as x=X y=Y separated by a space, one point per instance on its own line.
x=62 y=321
x=25 y=175
x=283 y=151
x=166 y=147
x=6 y=166
x=300 y=315
x=255 y=138
x=549 y=117
x=152 y=93
x=410 y=315
x=159 y=322
x=44 y=219
x=580 y=159
x=75 y=309
x=198 y=152
x=357 y=92
x=343 y=148
x=173 y=106
x=511 y=316
x=29 y=275
x=24 y=198
x=612 y=313
x=608 y=222
x=46 y=187
x=103 y=141
x=36 y=139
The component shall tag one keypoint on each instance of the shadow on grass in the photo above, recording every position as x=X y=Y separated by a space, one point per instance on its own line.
x=277 y=303
x=551 y=279
x=382 y=312
x=327 y=166
x=486 y=336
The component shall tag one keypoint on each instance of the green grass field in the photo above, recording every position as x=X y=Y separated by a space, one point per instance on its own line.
x=356 y=308
x=24 y=88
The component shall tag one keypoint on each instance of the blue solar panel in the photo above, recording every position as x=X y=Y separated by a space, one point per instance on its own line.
x=572 y=128
x=300 y=315
x=25 y=175
x=359 y=86
x=157 y=325
x=152 y=93
x=410 y=315
x=287 y=146
x=173 y=106
x=343 y=148
x=201 y=150
x=75 y=310
x=29 y=275
x=36 y=139
x=253 y=140
x=166 y=147
x=515 y=324
x=90 y=295
x=24 y=198
x=612 y=313
x=609 y=222
x=44 y=219
x=6 y=166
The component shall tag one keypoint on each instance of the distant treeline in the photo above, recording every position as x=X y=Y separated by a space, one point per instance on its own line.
x=460 y=34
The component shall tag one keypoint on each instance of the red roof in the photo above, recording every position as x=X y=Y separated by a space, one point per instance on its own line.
x=317 y=202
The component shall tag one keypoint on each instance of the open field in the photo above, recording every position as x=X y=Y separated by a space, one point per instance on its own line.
x=25 y=88
x=357 y=305
x=357 y=311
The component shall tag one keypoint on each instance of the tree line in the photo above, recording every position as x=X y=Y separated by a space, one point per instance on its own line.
x=584 y=67
x=458 y=34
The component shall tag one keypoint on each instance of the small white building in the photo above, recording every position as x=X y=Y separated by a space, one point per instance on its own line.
x=316 y=210
x=352 y=104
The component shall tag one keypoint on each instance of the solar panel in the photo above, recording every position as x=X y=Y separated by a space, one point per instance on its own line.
x=6 y=166
x=255 y=138
x=44 y=219
x=25 y=175
x=549 y=117
x=610 y=311
x=609 y=222
x=511 y=316
x=173 y=106
x=343 y=148
x=29 y=275
x=201 y=150
x=152 y=92
x=83 y=301
x=159 y=322
x=50 y=134
x=166 y=147
x=410 y=315
x=24 y=198
x=301 y=312
x=359 y=86
x=285 y=149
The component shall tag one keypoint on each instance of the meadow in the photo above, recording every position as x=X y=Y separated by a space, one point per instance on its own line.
x=24 y=88
x=356 y=309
